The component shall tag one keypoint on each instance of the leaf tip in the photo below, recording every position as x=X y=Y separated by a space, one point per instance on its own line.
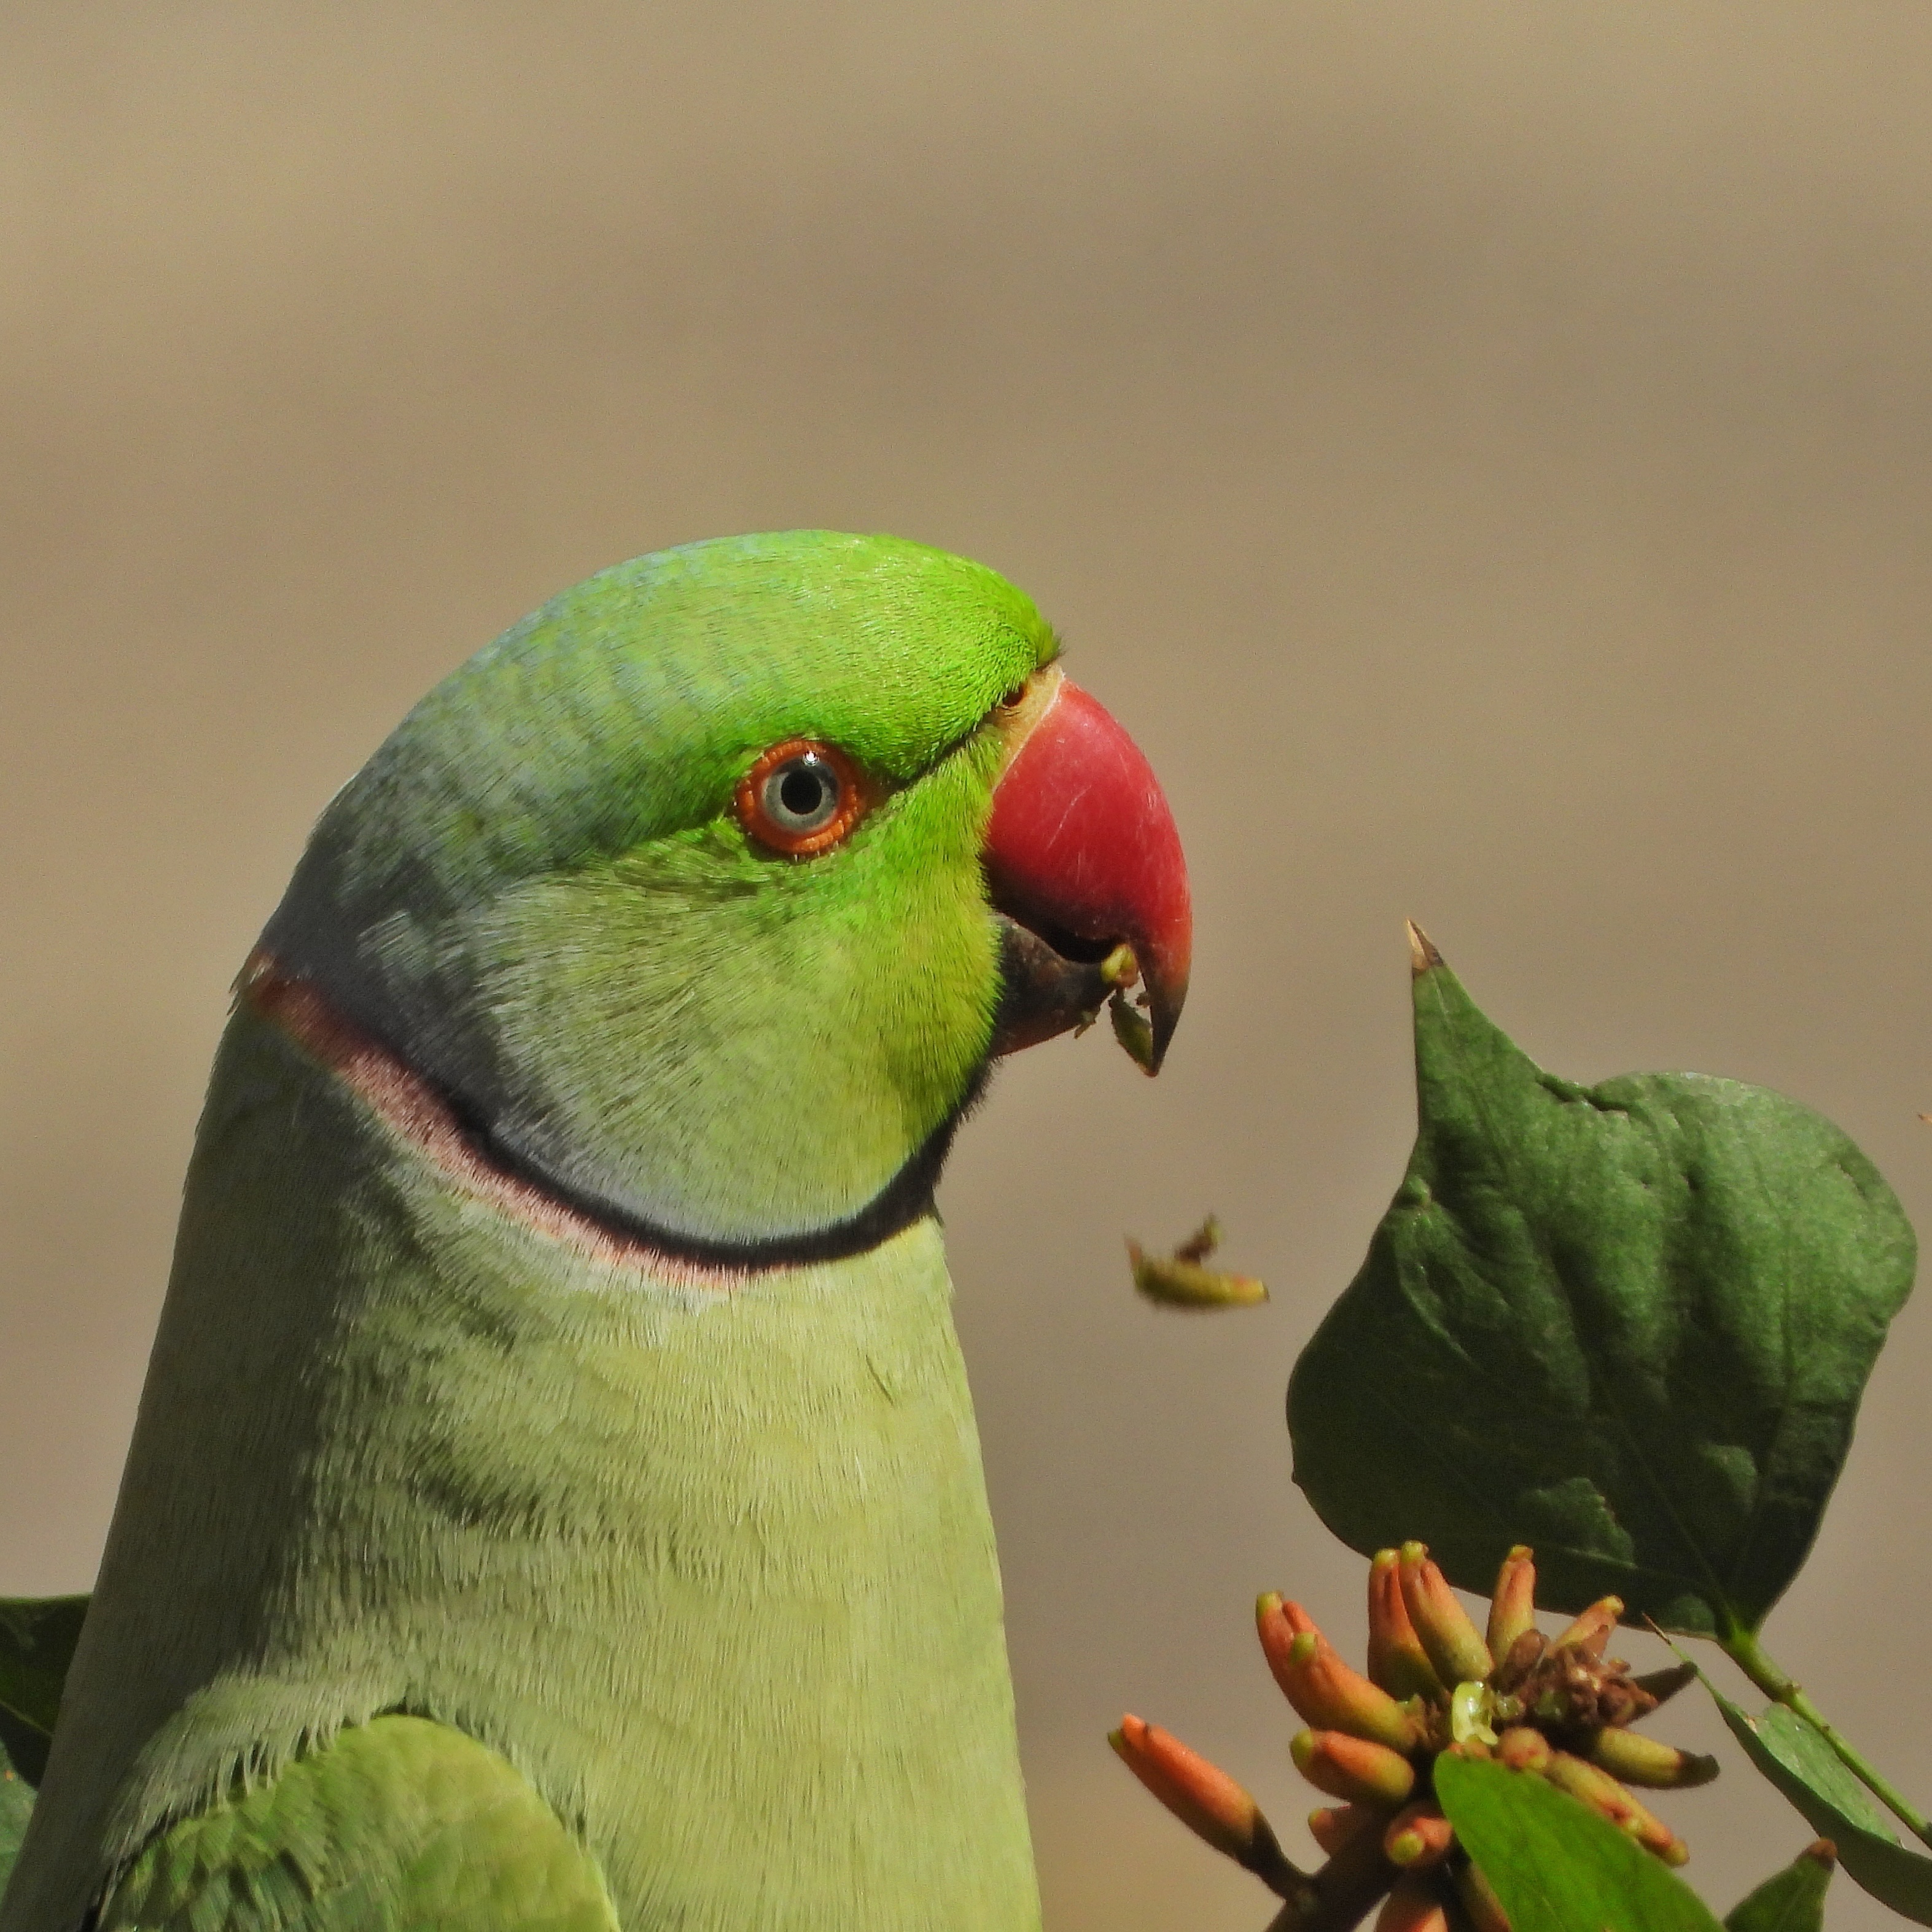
x=1422 y=953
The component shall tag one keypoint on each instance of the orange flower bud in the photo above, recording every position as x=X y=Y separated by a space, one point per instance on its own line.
x=1397 y=1659
x=1327 y=1693
x=1345 y=1890
x=1455 y=1646
x=1418 y=1837
x=1353 y=1769
x=1412 y=1906
x=1333 y=1826
x=1480 y=1902
x=1205 y=1799
x=1596 y=1788
x=1523 y=1749
x=1648 y=1761
x=1603 y=1794
x=1591 y=1632
x=1513 y=1608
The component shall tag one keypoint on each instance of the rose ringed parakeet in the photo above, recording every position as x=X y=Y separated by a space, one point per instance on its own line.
x=555 y=1501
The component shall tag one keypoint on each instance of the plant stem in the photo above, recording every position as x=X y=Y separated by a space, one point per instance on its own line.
x=1744 y=1651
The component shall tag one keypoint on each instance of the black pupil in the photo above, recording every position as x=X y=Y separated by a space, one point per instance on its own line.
x=803 y=791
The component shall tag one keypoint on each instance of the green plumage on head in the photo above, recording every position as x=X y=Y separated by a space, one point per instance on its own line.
x=538 y=882
x=555 y=1500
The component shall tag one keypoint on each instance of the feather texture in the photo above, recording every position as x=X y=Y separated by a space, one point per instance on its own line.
x=493 y=1386
x=399 y=1825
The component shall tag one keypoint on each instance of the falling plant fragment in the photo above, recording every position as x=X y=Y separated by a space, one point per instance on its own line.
x=1183 y=1280
x=1558 y=1709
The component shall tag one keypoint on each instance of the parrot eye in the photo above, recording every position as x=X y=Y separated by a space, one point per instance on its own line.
x=801 y=797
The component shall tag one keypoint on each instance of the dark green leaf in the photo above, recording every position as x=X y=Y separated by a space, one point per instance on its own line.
x=1557 y=1866
x=24 y=1748
x=1791 y=1753
x=1792 y=1901
x=1629 y=1325
x=16 y=1806
x=37 y=1635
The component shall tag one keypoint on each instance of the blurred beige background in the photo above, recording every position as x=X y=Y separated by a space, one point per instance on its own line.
x=1484 y=452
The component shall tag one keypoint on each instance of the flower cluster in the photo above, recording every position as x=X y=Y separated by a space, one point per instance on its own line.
x=1555 y=1708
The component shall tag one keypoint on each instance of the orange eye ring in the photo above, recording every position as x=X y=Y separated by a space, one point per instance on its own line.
x=803 y=797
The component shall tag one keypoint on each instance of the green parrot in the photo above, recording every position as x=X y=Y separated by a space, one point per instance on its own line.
x=556 y=1501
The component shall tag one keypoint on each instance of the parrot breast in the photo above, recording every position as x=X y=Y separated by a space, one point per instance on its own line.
x=715 y=1572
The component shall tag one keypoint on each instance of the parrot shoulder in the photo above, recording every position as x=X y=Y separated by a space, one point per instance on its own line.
x=400 y=1825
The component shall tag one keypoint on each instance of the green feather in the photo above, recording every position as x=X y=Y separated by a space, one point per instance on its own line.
x=538 y=884
x=400 y=1826
x=704 y=1555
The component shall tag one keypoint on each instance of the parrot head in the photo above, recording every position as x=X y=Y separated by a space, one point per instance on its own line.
x=702 y=899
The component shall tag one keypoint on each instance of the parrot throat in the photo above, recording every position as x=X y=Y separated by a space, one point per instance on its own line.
x=714 y=1571
x=458 y=1136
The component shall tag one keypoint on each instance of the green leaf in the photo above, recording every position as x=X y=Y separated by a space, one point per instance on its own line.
x=37 y=1635
x=1628 y=1324
x=17 y=1807
x=1792 y=1754
x=1792 y=1901
x=1557 y=1866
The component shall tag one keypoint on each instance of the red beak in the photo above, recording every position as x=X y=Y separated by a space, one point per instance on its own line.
x=1082 y=850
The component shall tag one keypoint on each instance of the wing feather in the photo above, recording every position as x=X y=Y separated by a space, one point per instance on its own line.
x=400 y=1824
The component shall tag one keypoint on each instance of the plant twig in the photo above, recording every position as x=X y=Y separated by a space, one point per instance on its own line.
x=1744 y=1651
